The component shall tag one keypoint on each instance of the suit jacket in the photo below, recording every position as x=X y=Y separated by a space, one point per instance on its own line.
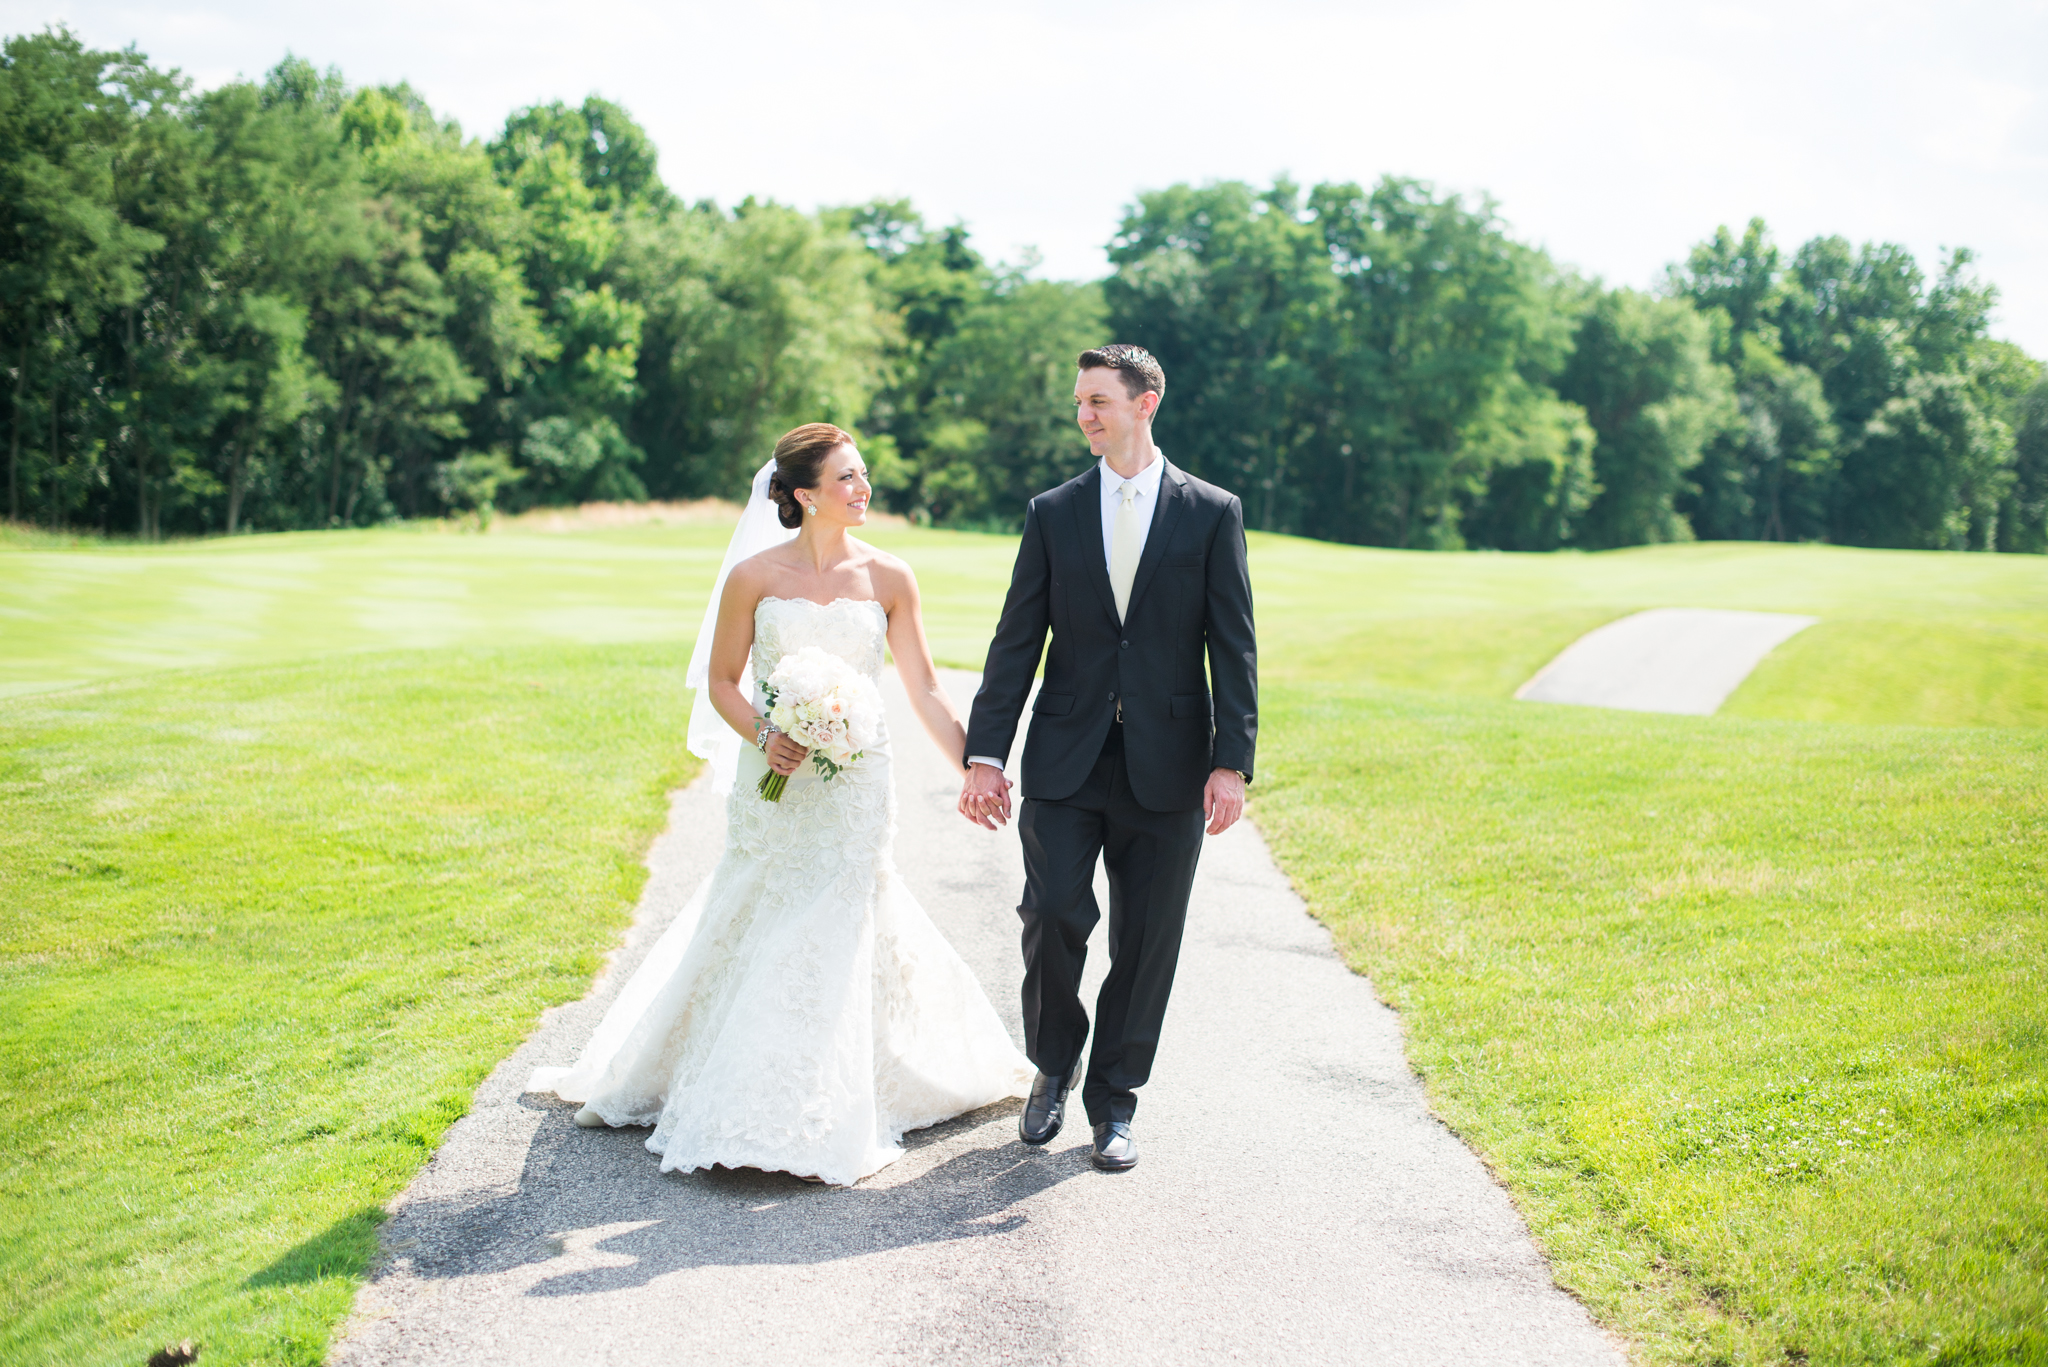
x=1191 y=602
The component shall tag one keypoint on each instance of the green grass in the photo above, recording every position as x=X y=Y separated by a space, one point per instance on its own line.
x=261 y=933
x=1906 y=636
x=300 y=833
x=71 y=616
x=1750 y=1015
x=1990 y=671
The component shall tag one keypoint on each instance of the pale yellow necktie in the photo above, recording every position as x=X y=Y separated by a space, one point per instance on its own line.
x=1123 y=547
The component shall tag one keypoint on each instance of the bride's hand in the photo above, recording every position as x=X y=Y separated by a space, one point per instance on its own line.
x=784 y=754
x=985 y=796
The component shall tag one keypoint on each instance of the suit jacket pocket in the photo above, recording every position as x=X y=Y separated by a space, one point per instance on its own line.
x=1054 y=704
x=1189 y=705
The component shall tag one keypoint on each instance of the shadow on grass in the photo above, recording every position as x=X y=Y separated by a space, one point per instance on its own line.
x=343 y=1249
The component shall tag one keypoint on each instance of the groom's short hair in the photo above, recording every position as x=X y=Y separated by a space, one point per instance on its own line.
x=1139 y=367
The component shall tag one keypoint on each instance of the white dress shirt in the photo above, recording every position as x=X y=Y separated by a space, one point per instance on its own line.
x=1147 y=482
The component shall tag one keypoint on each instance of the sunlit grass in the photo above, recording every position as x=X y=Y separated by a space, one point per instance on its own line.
x=267 y=917
x=261 y=933
x=1905 y=637
x=1750 y=1015
x=1981 y=669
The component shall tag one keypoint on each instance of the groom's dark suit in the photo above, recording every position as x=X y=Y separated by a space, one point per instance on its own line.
x=1130 y=792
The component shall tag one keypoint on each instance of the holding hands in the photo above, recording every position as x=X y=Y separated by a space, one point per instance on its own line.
x=985 y=796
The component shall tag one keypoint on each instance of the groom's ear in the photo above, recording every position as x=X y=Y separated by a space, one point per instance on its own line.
x=1148 y=403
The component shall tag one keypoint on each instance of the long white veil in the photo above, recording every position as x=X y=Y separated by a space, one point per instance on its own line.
x=710 y=738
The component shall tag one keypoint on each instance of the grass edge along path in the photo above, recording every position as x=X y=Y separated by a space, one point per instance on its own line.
x=1749 y=1016
x=264 y=931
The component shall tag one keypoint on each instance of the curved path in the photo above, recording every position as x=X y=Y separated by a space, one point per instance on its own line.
x=1685 y=660
x=1296 y=1201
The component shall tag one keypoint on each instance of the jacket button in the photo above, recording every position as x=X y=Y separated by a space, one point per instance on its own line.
x=1112 y=697
x=1126 y=645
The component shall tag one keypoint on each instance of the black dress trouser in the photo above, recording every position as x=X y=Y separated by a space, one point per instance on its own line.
x=1150 y=859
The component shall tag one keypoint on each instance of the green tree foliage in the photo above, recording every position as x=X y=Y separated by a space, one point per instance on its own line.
x=1363 y=366
x=294 y=303
x=2023 y=522
x=976 y=411
x=1926 y=469
x=1918 y=396
x=999 y=424
x=1538 y=463
x=1442 y=336
x=1230 y=288
x=66 y=253
x=612 y=155
x=1642 y=370
x=1767 y=476
x=1390 y=367
x=756 y=321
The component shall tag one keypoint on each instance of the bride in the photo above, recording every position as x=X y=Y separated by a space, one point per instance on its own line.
x=802 y=1013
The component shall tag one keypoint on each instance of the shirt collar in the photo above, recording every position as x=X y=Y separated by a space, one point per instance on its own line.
x=1147 y=479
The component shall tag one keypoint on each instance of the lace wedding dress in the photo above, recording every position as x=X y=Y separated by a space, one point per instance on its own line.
x=802 y=1012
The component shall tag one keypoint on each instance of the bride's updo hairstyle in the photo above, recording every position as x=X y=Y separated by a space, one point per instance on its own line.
x=798 y=456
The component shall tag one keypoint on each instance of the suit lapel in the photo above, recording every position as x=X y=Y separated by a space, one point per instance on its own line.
x=1173 y=499
x=1088 y=524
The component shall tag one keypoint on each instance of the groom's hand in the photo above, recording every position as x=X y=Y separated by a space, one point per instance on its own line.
x=985 y=796
x=1223 y=799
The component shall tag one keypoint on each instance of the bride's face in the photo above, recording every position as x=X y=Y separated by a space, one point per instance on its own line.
x=841 y=495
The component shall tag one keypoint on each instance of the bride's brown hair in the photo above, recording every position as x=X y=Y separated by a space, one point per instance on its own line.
x=797 y=458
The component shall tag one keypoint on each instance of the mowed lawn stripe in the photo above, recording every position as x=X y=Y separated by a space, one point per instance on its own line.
x=1906 y=637
x=98 y=611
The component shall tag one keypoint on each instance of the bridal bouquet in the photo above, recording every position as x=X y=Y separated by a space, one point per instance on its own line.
x=820 y=701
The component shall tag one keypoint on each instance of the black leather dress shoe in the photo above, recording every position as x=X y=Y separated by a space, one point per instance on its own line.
x=1047 y=1108
x=1115 y=1150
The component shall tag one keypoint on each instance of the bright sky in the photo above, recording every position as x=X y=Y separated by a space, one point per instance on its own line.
x=1616 y=135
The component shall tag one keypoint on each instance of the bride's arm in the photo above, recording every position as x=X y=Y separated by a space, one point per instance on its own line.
x=731 y=644
x=914 y=666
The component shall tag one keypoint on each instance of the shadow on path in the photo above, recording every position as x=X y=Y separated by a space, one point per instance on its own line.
x=596 y=1198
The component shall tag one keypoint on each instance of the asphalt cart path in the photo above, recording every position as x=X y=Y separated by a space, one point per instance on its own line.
x=1296 y=1201
x=1685 y=660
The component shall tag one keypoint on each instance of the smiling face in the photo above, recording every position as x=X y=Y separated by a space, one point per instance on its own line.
x=841 y=493
x=1109 y=416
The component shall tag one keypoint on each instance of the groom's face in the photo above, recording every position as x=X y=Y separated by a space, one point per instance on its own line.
x=1108 y=414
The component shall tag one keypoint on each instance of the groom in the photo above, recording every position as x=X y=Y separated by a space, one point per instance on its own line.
x=1138 y=571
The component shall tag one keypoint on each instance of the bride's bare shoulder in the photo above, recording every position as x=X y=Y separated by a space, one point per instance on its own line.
x=753 y=578
x=763 y=561
x=890 y=574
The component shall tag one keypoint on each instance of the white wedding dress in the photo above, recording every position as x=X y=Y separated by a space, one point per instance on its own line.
x=802 y=1012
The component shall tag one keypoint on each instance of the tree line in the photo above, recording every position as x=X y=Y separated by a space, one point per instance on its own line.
x=1390 y=366
x=291 y=303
